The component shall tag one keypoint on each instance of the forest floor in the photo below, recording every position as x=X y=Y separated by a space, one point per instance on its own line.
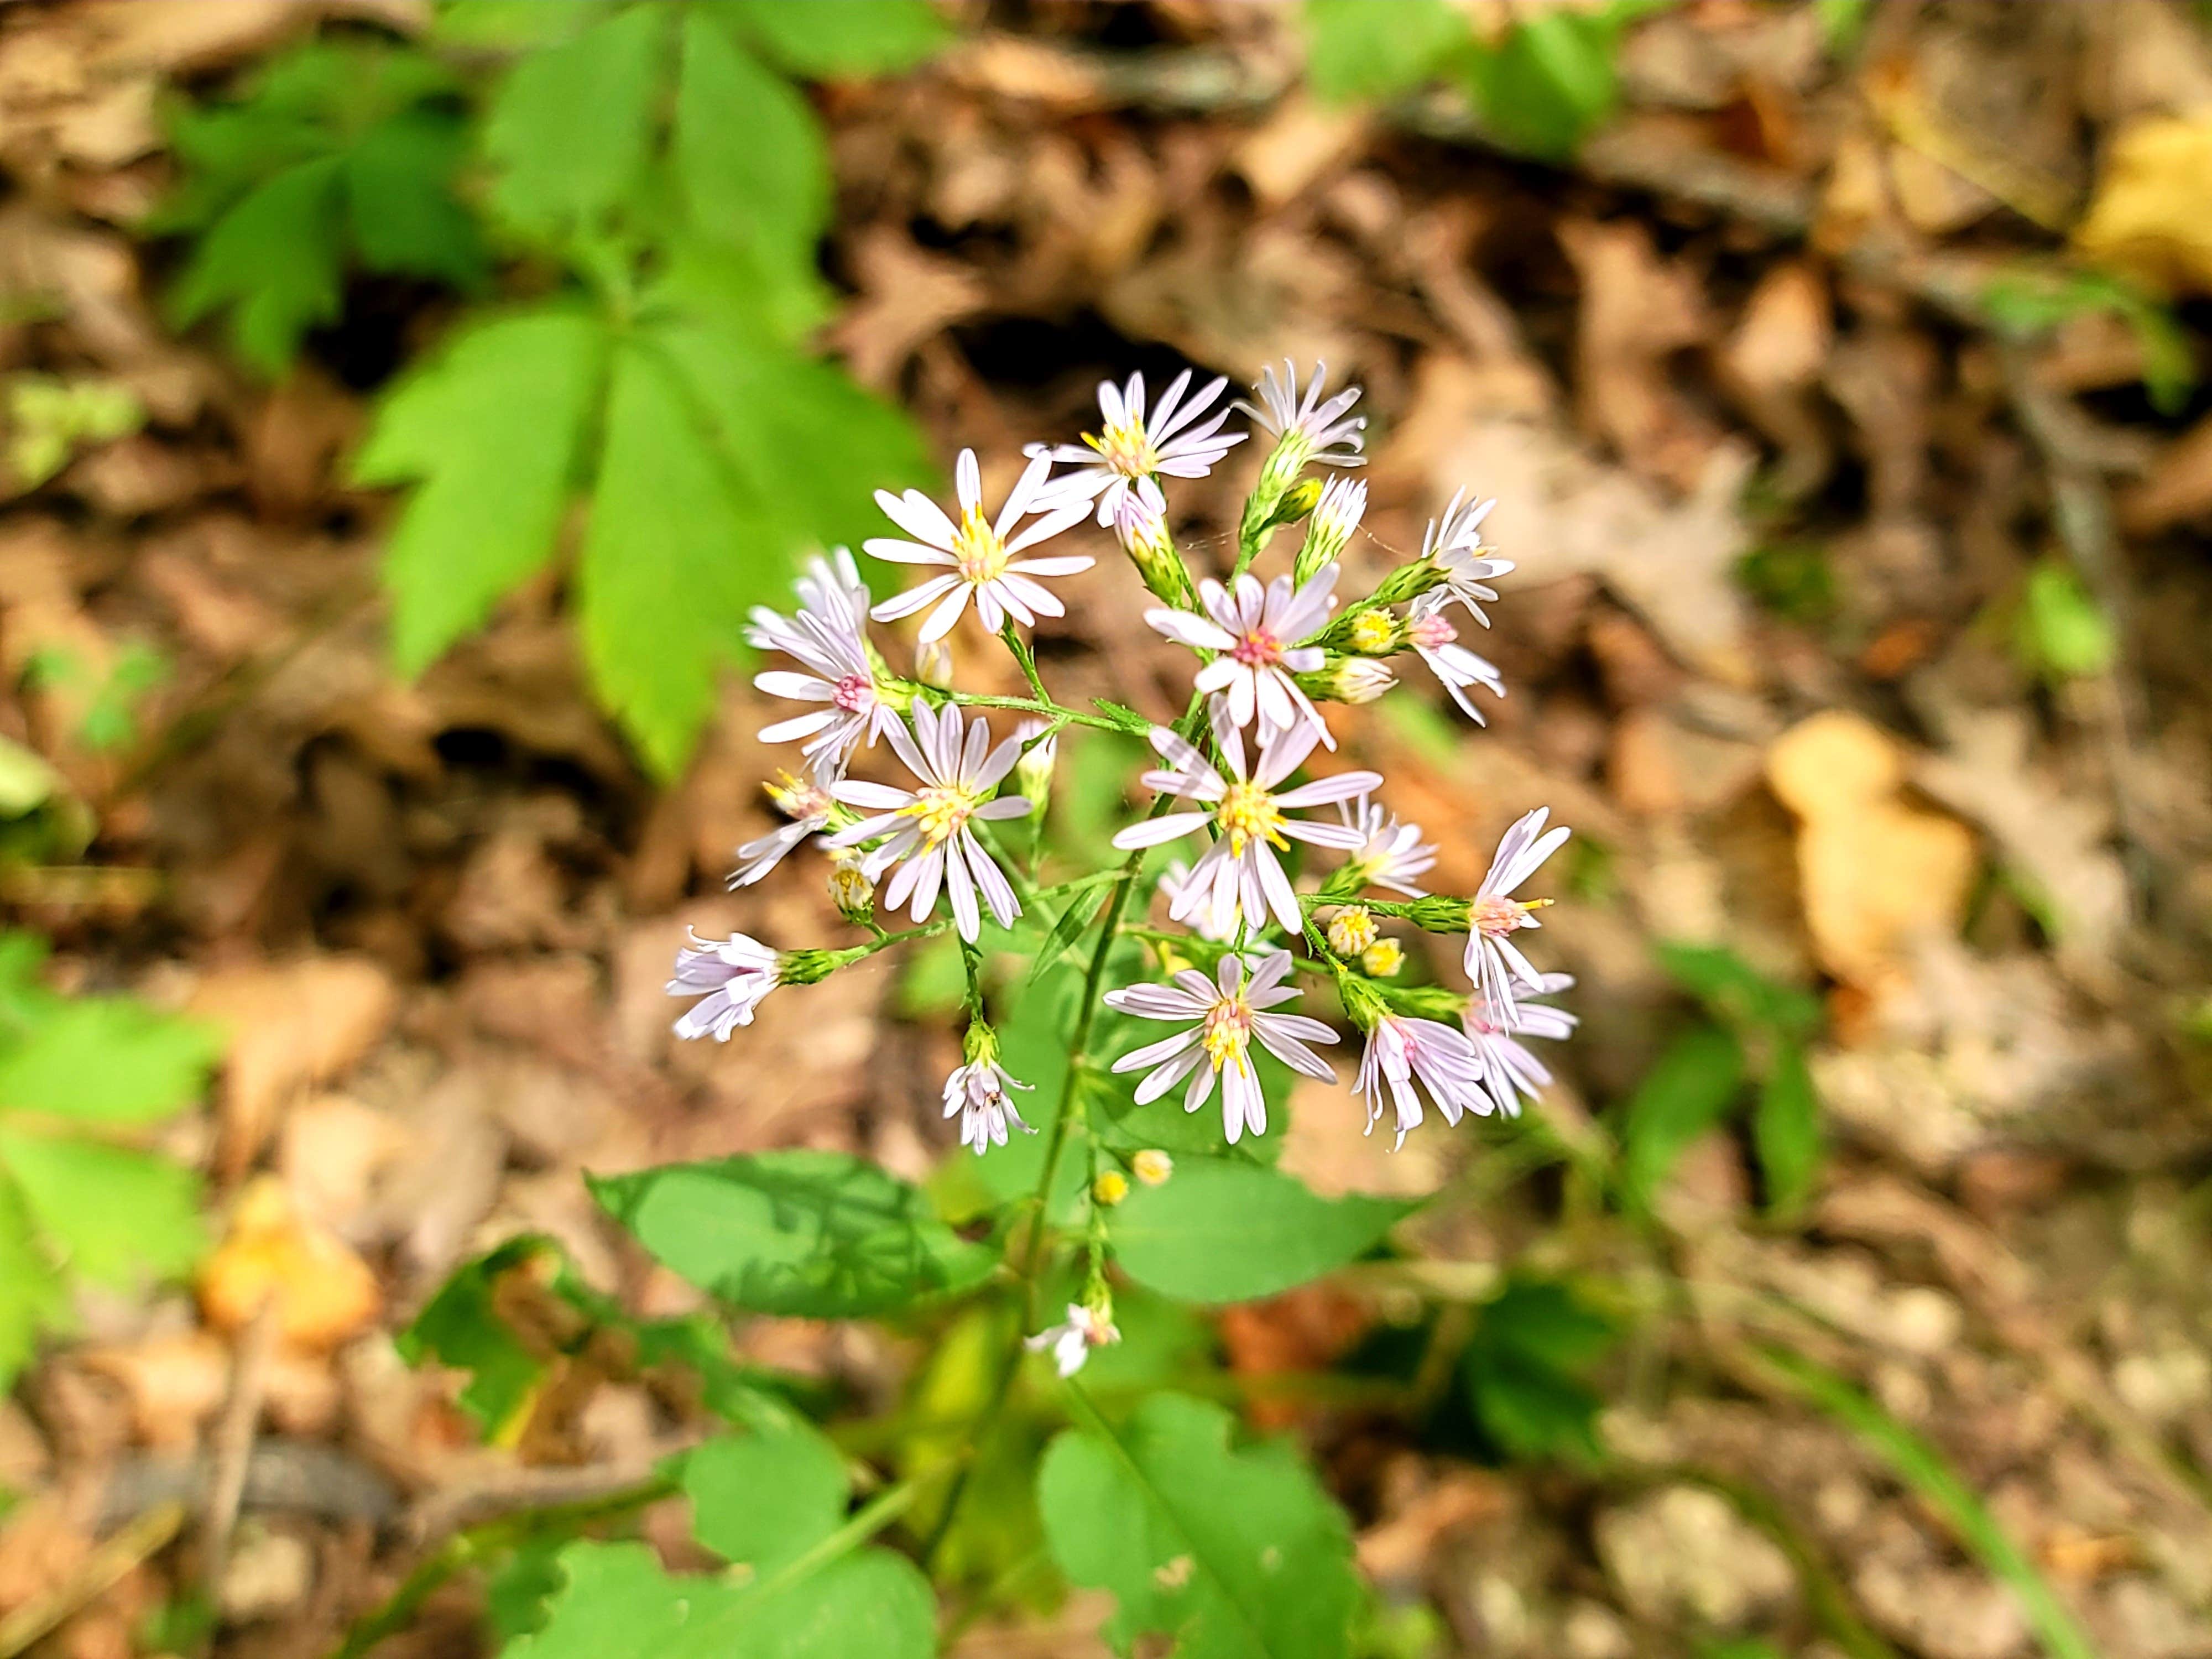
x=1793 y=522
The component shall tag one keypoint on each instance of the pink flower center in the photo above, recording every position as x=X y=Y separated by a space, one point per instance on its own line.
x=1257 y=649
x=855 y=694
x=1494 y=918
x=1228 y=1024
x=1432 y=631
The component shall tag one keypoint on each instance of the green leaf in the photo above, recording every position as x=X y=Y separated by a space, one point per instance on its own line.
x=1785 y=1127
x=1549 y=82
x=462 y=1327
x=749 y=154
x=765 y=1499
x=821 y=1235
x=2063 y=633
x=1737 y=992
x=32 y=1296
x=1223 y=1231
x=400 y=206
x=1234 y=1553
x=1073 y=922
x=490 y=429
x=853 y=37
x=111 y=1215
x=276 y=258
x=1525 y=1372
x=571 y=129
x=106 y=1060
x=1357 y=49
x=1686 y=1093
x=618 y=1602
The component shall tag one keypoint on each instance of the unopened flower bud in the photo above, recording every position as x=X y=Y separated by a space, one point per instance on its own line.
x=1351 y=931
x=1335 y=516
x=1439 y=913
x=1033 y=771
x=1363 y=1003
x=851 y=890
x=1347 y=679
x=1153 y=1166
x=1374 y=634
x=1111 y=1188
x=979 y=1044
x=813 y=967
x=1381 y=959
x=933 y=663
x=1140 y=525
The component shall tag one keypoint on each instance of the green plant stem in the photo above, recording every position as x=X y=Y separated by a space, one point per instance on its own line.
x=1043 y=706
x=871 y=1518
x=1026 y=658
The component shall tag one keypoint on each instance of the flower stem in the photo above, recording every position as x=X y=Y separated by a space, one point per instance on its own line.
x=1033 y=706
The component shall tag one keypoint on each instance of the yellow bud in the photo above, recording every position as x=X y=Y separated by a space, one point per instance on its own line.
x=1382 y=959
x=1373 y=632
x=1111 y=1188
x=1153 y=1166
x=1351 y=931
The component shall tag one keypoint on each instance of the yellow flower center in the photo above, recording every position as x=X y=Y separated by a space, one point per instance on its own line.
x=1228 y=1026
x=1372 y=633
x=979 y=552
x=1382 y=959
x=1351 y=931
x=1127 y=449
x=939 y=811
x=1248 y=813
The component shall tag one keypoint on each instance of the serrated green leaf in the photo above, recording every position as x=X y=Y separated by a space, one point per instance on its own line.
x=821 y=1235
x=853 y=37
x=400 y=206
x=1236 y=1553
x=107 y=1213
x=1785 y=1127
x=748 y=153
x=570 y=130
x=32 y=1296
x=618 y=1602
x=765 y=1499
x=1222 y=1231
x=275 y=259
x=1688 y=1091
x=1357 y=49
x=490 y=430
x=106 y=1060
x=461 y=1326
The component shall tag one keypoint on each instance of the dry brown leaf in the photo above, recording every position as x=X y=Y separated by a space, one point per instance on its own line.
x=2179 y=488
x=1873 y=871
x=292 y=1025
x=1638 y=310
x=2148 y=219
x=1298 y=144
x=324 y=1292
x=906 y=297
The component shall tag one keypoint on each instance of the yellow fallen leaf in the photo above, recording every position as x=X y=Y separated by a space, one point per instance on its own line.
x=2152 y=215
x=324 y=1291
x=1873 y=870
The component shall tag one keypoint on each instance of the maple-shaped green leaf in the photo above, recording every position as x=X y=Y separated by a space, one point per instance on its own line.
x=109 y=1214
x=461 y=1325
x=571 y=129
x=1234 y=1553
x=853 y=37
x=1357 y=49
x=32 y=1298
x=104 y=1060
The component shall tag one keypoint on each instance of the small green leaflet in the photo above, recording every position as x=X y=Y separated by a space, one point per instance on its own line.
x=821 y=1235
x=1224 y=1231
x=1785 y=1127
x=339 y=154
x=1357 y=49
x=1688 y=1091
x=1236 y=1553
x=461 y=1325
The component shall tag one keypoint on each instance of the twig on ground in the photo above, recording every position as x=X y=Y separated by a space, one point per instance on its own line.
x=107 y=1565
x=233 y=1441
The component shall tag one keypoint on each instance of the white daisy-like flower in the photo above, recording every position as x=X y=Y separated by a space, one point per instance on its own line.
x=1239 y=878
x=729 y=976
x=1223 y=1016
x=1391 y=852
x=829 y=636
x=926 y=831
x=1075 y=1337
x=977 y=1091
x=1493 y=962
x=1256 y=630
x=979 y=552
x=1433 y=638
x=1320 y=431
x=806 y=802
x=1334 y=517
x=1454 y=541
x=1176 y=881
x=1177 y=439
x=1509 y=1069
x=1401 y=1052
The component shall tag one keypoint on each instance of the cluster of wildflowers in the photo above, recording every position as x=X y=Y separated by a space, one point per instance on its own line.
x=1271 y=650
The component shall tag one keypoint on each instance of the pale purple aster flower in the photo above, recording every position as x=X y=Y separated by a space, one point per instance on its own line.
x=1433 y=638
x=1074 y=1337
x=1175 y=882
x=1401 y=1052
x=1456 y=543
x=925 y=831
x=1256 y=630
x=1239 y=878
x=1391 y=852
x=729 y=976
x=1509 y=1070
x=979 y=551
x=1223 y=1016
x=828 y=636
x=1173 y=440
x=1321 y=431
x=806 y=802
x=1343 y=503
x=977 y=1091
x=1493 y=962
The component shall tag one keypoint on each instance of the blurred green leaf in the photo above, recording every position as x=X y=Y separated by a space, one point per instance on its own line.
x=1525 y=1367
x=763 y=1499
x=109 y=1214
x=2062 y=633
x=1689 y=1090
x=49 y=419
x=1785 y=1128
x=33 y=1296
x=570 y=129
x=1736 y=992
x=1356 y=49
x=106 y=1060
x=1549 y=82
x=461 y=1326
x=1236 y=1553
x=853 y=37
x=1221 y=1231
x=2030 y=301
